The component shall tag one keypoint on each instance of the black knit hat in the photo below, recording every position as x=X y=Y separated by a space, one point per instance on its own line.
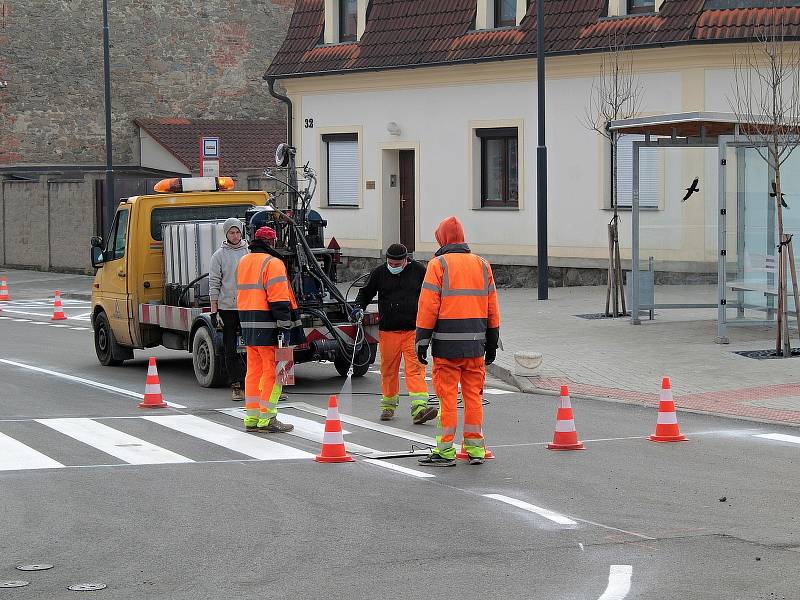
x=397 y=252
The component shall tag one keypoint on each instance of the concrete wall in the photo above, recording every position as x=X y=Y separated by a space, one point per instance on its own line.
x=181 y=58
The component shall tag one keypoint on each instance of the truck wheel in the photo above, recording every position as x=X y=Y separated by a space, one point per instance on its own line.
x=208 y=367
x=342 y=363
x=104 y=341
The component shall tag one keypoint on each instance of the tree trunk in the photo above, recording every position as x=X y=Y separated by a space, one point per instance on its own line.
x=783 y=342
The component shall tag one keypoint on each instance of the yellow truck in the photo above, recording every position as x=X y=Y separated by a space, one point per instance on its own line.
x=150 y=291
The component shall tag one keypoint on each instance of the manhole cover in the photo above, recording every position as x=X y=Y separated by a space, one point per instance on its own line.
x=36 y=567
x=766 y=354
x=13 y=584
x=87 y=587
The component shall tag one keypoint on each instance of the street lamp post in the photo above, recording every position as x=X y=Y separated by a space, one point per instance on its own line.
x=541 y=158
x=109 y=189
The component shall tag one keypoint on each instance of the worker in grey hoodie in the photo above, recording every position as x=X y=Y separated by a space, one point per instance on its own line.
x=222 y=291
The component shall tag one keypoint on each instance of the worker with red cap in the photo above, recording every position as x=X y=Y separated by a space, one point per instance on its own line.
x=459 y=318
x=268 y=313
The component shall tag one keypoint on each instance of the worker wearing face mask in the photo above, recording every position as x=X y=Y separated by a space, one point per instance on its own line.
x=397 y=284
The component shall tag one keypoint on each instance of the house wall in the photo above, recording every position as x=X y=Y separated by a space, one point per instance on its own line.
x=437 y=109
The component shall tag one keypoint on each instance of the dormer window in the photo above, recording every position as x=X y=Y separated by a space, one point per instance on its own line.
x=491 y=14
x=505 y=13
x=348 y=20
x=641 y=6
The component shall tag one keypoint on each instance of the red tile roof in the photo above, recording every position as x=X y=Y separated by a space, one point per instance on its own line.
x=411 y=33
x=243 y=144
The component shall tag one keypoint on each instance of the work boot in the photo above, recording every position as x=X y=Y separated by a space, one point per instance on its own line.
x=251 y=426
x=436 y=460
x=425 y=415
x=476 y=460
x=283 y=398
x=237 y=395
x=387 y=414
x=275 y=426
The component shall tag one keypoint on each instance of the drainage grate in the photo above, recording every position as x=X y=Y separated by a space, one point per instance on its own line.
x=766 y=354
x=594 y=316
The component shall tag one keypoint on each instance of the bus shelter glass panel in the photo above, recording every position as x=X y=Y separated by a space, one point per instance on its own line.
x=754 y=283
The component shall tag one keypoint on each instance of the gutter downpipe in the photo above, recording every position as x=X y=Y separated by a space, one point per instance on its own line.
x=289 y=107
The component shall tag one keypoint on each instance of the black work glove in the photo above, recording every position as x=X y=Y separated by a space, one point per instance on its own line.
x=216 y=321
x=422 y=354
x=491 y=354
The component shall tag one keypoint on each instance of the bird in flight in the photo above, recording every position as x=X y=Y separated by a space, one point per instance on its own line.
x=691 y=189
x=774 y=193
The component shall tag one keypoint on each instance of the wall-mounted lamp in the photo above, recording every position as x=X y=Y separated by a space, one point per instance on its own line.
x=393 y=128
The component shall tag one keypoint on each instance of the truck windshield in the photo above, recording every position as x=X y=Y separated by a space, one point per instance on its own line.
x=193 y=213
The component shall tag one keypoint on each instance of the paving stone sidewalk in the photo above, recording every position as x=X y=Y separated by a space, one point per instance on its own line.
x=612 y=359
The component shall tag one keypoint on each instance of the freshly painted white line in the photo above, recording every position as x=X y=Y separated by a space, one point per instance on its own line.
x=619 y=582
x=80 y=328
x=249 y=444
x=81 y=316
x=114 y=442
x=542 y=512
x=39 y=323
x=22 y=320
x=16 y=456
x=4 y=318
x=496 y=392
x=303 y=428
x=88 y=382
x=58 y=325
x=780 y=437
x=398 y=468
x=23 y=312
x=393 y=431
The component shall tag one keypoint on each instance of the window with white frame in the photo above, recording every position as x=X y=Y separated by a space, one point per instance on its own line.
x=499 y=147
x=650 y=173
x=348 y=20
x=342 y=168
x=505 y=13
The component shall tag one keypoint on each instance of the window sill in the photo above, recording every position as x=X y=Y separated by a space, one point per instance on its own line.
x=345 y=206
x=500 y=208
x=630 y=208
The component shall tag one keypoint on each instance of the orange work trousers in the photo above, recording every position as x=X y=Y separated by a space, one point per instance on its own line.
x=471 y=374
x=395 y=345
x=258 y=383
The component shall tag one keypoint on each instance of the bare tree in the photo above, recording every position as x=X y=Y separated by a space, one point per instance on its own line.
x=615 y=95
x=766 y=101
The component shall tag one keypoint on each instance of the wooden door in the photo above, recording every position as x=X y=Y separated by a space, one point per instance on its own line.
x=407 y=199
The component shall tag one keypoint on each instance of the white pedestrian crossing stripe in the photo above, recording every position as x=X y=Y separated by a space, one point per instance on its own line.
x=15 y=456
x=239 y=441
x=114 y=442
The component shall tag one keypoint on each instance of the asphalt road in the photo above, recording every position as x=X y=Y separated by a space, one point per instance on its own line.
x=179 y=506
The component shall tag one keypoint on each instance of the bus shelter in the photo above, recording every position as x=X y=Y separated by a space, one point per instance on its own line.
x=744 y=215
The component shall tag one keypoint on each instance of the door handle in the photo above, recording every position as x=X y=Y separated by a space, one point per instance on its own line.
x=121 y=273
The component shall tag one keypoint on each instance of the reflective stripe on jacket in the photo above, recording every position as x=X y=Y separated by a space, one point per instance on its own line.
x=264 y=299
x=458 y=305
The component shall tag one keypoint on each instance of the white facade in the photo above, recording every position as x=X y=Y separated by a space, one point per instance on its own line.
x=437 y=110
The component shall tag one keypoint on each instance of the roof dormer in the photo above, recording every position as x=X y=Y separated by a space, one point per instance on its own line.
x=492 y=14
x=345 y=20
x=621 y=8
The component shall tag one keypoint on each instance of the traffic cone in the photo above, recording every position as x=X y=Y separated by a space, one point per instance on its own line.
x=565 y=436
x=58 y=309
x=4 y=297
x=333 y=450
x=152 y=388
x=667 y=425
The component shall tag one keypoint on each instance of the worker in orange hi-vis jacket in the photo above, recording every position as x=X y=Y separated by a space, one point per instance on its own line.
x=459 y=317
x=267 y=311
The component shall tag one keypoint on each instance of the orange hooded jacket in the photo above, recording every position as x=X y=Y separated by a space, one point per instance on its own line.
x=458 y=313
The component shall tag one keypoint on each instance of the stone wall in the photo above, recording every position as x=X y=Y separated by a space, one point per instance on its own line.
x=176 y=59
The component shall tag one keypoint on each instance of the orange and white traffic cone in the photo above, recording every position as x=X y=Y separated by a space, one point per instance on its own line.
x=152 y=388
x=333 y=450
x=58 y=309
x=4 y=297
x=565 y=436
x=667 y=429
